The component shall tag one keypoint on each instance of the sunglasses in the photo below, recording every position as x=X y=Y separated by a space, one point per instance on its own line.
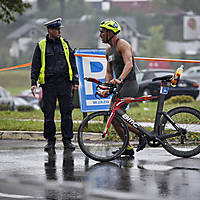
x=56 y=28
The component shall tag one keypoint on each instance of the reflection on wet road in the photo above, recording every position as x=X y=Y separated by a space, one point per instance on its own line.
x=26 y=172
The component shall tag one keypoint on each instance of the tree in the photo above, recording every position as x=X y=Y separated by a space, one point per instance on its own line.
x=63 y=8
x=155 y=46
x=171 y=5
x=9 y=8
x=76 y=8
x=58 y=6
x=42 y=5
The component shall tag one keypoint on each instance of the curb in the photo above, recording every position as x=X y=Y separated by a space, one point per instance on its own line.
x=28 y=135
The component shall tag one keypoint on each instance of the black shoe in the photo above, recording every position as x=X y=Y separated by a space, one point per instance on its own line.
x=68 y=145
x=126 y=152
x=142 y=143
x=50 y=148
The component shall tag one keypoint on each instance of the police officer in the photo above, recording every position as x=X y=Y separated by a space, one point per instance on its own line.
x=54 y=68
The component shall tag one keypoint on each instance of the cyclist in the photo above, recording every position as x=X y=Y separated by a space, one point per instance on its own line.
x=120 y=61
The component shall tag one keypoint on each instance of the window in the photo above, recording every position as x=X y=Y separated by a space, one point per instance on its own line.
x=139 y=77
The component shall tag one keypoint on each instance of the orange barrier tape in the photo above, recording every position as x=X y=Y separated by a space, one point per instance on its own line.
x=102 y=56
x=89 y=55
x=167 y=60
x=144 y=58
x=16 y=67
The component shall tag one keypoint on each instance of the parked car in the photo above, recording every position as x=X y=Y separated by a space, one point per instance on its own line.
x=147 y=87
x=29 y=93
x=30 y=100
x=19 y=102
x=6 y=99
x=192 y=73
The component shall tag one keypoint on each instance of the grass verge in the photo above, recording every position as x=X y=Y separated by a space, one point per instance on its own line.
x=33 y=121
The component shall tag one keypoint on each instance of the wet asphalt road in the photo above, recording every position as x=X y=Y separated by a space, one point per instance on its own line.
x=26 y=172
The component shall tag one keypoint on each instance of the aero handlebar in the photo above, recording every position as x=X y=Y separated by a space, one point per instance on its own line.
x=113 y=89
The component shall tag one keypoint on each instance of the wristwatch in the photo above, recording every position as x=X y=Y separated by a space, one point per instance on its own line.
x=122 y=81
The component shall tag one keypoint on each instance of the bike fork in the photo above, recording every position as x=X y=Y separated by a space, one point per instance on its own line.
x=108 y=124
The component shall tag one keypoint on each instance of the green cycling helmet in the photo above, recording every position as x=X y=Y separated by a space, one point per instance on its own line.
x=111 y=25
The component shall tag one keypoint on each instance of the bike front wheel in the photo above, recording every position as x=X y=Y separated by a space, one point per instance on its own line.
x=187 y=143
x=92 y=142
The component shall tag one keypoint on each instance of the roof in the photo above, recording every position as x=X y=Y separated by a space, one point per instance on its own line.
x=131 y=23
x=23 y=30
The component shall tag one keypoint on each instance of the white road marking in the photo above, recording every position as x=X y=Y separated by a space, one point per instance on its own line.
x=14 y=196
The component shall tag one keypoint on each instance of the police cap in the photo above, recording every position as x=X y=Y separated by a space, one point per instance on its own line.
x=55 y=23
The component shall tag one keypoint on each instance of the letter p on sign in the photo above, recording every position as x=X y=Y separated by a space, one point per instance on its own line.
x=95 y=68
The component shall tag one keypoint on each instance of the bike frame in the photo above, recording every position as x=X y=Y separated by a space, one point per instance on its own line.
x=159 y=112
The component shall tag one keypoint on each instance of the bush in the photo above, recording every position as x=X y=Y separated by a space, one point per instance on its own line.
x=25 y=108
x=180 y=99
x=4 y=107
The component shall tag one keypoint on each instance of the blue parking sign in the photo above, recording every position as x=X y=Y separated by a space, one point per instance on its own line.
x=91 y=63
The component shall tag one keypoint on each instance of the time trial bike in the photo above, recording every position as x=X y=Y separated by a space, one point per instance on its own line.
x=177 y=130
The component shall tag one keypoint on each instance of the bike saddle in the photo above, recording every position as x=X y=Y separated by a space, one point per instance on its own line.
x=163 y=78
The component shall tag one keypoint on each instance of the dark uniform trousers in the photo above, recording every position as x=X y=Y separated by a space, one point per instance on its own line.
x=63 y=94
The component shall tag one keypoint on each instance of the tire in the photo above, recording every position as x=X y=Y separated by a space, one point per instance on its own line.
x=188 y=144
x=94 y=145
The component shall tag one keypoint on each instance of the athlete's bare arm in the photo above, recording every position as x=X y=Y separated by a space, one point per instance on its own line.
x=125 y=50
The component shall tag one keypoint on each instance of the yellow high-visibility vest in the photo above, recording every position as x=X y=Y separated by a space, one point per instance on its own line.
x=42 y=45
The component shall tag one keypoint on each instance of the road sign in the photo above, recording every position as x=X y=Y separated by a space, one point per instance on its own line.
x=91 y=63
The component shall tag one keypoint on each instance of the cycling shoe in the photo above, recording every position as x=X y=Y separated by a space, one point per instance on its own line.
x=127 y=152
x=142 y=143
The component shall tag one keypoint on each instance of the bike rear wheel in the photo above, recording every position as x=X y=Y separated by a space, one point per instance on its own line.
x=188 y=143
x=94 y=145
